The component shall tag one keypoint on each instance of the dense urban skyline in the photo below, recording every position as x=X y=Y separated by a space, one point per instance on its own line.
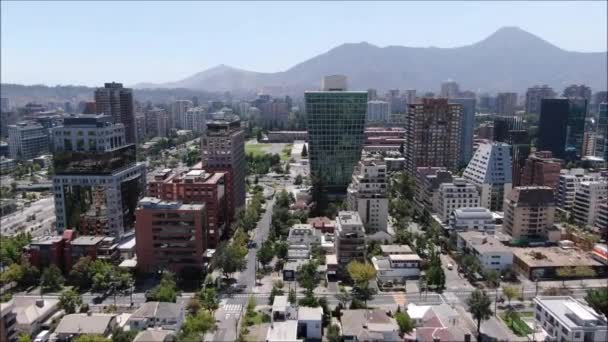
x=245 y=35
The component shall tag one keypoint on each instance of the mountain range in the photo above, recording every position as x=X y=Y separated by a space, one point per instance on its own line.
x=510 y=59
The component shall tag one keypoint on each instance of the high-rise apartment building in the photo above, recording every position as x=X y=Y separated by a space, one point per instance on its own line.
x=170 y=235
x=467 y=125
x=179 y=109
x=223 y=150
x=117 y=102
x=490 y=170
x=410 y=96
x=455 y=195
x=598 y=98
x=157 y=122
x=350 y=238
x=27 y=140
x=336 y=120
x=569 y=183
x=433 y=134
x=506 y=103
x=428 y=180
x=520 y=150
x=587 y=199
x=580 y=91
x=96 y=174
x=396 y=102
x=196 y=120
x=196 y=187
x=377 y=111
x=503 y=125
x=535 y=95
x=562 y=127
x=529 y=213
x=449 y=89
x=372 y=94
x=367 y=194
x=601 y=146
x=4 y=104
x=542 y=169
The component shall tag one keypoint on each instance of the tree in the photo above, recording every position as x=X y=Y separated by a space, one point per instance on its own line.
x=198 y=324
x=52 y=280
x=273 y=293
x=81 y=273
x=193 y=306
x=333 y=333
x=343 y=297
x=166 y=291
x=291 y=297
x=209 y=300
x=362 y=273
x=405 y=322
x=69 y=301
x=91 y=338
x=265 y=253
x=479 y=307
x=304 y=153
x=598 y=300
x=230 y=258
x=510 y=292
x=281 y=248
x=307 y=276
x=584 y=272
x=30 y=274
x=120 y=335
x=24 y=338
x=492 y=278
x=299 y=179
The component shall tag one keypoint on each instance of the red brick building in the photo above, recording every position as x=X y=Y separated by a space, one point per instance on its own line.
x=196 y=187
x=170 y=235
x=541 y=169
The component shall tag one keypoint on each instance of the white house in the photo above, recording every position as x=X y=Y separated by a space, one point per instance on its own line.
x=169 y=316
x=490 y=252
x=396 y=267
x=562 y=318
x=310 y=321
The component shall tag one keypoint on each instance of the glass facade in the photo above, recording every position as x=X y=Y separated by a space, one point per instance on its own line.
x=336 y=122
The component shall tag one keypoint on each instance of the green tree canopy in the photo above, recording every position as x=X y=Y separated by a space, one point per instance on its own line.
x=52 y=280
x=479 y=307
x=69 y=301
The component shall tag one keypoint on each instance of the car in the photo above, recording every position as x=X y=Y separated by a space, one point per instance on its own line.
x=237 y=288
x=252 y=244
x=450 y=266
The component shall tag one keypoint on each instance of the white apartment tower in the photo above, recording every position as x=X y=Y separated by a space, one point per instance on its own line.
x=367 y=194
x=587 y=200
x=178 y=113
x=455 y=195
x=490 y=170
x=569 y=182
x=378 y=111
x=196 y=120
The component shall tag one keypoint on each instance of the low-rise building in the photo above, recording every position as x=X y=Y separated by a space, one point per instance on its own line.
x=310 y=322
x=368 y=325
x=169 y=316
x=396 y=268
x=8 y=322
x=455 y=195
x=542 y=262
x=155 y=335
x=395 y=249
x=476 y=218
x=7 y=165
x=563 y=318
x=74 y=325
x=32 y=313
x=490 y=252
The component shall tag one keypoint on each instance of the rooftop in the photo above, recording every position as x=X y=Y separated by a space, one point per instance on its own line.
x=404 y=257
x=553 y=257
x=310 y=314
x=29 y=310
x=396 y=249
x=568 y=311
x=280 y=303
x=82 y=323
x=87 y=240
x=283 y=331
x=158 y=310
x=349 y=218
x=483 y=243
x=470 y=213
x=155 y=335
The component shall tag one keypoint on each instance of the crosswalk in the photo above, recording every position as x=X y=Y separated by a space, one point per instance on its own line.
x=232 y=308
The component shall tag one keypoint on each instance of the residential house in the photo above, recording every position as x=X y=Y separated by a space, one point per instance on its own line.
x=169 y=316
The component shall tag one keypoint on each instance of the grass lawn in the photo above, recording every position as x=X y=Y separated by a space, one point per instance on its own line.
x=514 y=322
x=286 y=152
x=258 y=318
x=256 y=149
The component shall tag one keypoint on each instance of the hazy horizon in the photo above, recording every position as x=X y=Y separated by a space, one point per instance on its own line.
x=73 y=43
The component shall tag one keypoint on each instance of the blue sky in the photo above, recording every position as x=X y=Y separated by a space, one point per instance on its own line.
x=91 y=42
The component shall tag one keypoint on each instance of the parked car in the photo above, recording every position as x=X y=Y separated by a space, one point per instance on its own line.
x=450 y=266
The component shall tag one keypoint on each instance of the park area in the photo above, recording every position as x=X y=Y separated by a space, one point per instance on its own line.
x=252 y=147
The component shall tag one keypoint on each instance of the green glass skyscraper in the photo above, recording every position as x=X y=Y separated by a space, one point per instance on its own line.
x=336 y=121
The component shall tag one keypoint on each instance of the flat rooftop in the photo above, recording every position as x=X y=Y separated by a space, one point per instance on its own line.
x=553 y=257
x=87 y=240
x=396 y=249
x=567 y=309
x=484 y=242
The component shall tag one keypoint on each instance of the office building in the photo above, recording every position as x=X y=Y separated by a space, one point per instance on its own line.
x=196 y=187
x=457 y=194
x=561 y=318
x=140 y=127
x=117 y=102
x=472 y=218
x=529 y=213
x=520 y=150
x=506 y=103
x=170 y=235
x=541 y=169
x=490 y=170
x=223 y=150
x=535 y=95
x=178 y=111
x=4 y=104
x=367 y=194
x=336 y=119
x=428 y=180
x=467 y=125
x=27 y=140
x=449 y=89
x=433 y=135
x=95 y=172
x=601 y=147
x=503 y=125
x=410 y=96
x=377 y=111
x=157 y=122
x=562 y=127
x=372 y=94
x=587 y=199
x=578 y=91
x=274 y=113
x=598 y=98
x=350 y=238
